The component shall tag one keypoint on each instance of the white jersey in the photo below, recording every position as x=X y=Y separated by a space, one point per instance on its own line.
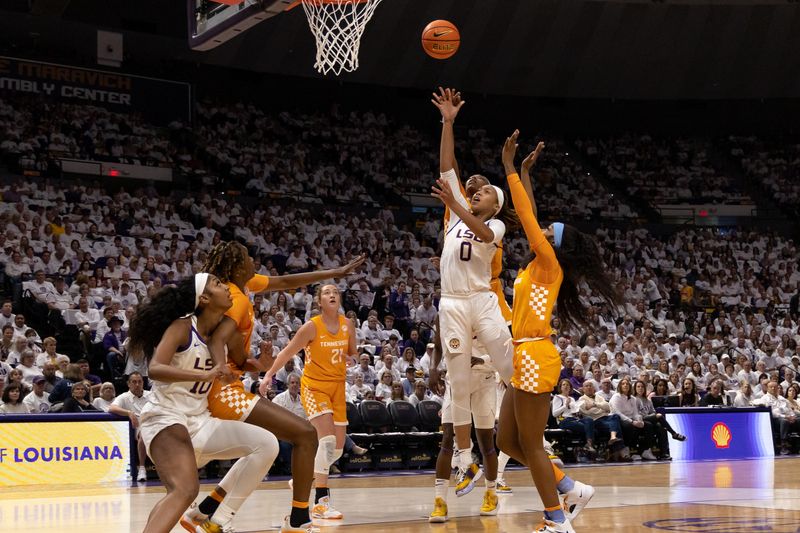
x=187 y=397
x=466 y=262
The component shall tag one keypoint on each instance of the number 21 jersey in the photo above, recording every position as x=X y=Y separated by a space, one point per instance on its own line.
x=326 y=355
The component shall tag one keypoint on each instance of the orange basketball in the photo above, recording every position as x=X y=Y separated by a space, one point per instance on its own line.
x=440 y=39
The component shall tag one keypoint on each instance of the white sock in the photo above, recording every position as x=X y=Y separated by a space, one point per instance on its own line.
x=441 y=487
x=464 y=458
x=502 y=461
x=490 y=485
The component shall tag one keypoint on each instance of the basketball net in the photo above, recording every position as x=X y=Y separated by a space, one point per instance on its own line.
x=337 y=26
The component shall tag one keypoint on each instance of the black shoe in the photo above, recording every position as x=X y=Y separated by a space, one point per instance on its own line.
x=679 y=437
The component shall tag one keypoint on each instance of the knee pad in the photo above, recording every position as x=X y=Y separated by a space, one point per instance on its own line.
x=325 y=453
x=337 y=453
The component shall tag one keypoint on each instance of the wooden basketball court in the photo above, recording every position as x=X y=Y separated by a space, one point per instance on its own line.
x=720 y=497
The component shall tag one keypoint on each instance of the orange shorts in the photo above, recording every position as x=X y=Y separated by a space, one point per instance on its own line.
x=537 y=366
x=323 y=397
x=231 y=402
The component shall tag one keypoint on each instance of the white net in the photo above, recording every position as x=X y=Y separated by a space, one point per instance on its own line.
x=338 y=26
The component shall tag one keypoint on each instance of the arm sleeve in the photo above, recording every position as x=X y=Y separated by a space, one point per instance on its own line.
x=452 y=179
x=258 y=283
x=538 y=243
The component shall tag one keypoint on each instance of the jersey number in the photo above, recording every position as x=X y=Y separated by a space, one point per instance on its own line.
x=338 y=356
x=202 y=387
x=466 y=251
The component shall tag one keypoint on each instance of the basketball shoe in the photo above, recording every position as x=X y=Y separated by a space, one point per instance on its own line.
x=323 y=510
x=308 y=527
x=192 y=518
x=576 y=499
x=548 y=526
x=439 y=514
x=503 y=487
x=465 y=480
x=489 y=506
x=212 y=527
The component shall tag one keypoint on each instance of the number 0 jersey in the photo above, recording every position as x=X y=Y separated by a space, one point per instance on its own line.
x=466 y=262
x=326 y=355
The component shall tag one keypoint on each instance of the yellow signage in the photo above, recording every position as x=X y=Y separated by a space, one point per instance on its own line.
x=34 y=453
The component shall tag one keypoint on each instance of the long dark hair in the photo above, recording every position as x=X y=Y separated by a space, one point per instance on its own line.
x=153 y=318
x=580 y=260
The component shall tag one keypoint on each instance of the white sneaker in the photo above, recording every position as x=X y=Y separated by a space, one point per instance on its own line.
x=648 y=455
x=636 y=457
x=323 y=510
x=192 y=518
x=305 y=528
x=142 y=474
x=548 y=526
x=576 y=499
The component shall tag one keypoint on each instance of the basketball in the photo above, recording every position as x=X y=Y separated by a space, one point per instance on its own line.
x=440 y=39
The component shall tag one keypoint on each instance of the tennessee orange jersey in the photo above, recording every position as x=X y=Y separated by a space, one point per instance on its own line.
x=497 y=266
x=537 y=285
x=241 y=311
x=326 y=355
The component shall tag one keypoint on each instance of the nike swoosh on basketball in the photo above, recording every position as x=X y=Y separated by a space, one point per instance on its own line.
x=441 y=33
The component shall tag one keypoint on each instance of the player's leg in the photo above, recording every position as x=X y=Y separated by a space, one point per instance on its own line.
x=302 y=435
x=456 y=335
x=443 y=466
x=492 y=331
x=257 y=449
x=484 y=409
x=173 y=454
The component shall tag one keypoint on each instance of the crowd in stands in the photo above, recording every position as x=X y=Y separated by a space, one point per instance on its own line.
x=643 y=165
x=707 y=313
x=775 y=165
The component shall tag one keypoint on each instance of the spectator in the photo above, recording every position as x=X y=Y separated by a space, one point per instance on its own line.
x=420 y=393
x=63 y=388
x=783 y=418
x=113 y=342
x=567 y=412
x=129 y=404
x=396 y=394
x=290 y=400
x=599 y=410
x=26 y=366
x=12 y=400
x=37 y=400
x=78 y=402
x=638 y=434
x=50 y=355
x=106 y=397
x=715 y=396
x=688 y=395
x=383 y=392
x=744 y=397
x=50 y=377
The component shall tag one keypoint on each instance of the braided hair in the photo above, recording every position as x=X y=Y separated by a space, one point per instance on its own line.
x=224 y=259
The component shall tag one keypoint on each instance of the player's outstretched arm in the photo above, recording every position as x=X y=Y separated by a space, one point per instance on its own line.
x=293 y=281
x=525 y=176
x=304 y=336
x=448 y=102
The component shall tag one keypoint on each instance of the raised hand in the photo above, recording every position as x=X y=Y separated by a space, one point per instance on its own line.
x=350 y=267
x=509 y=151
x=444 y=193
x=266 y=384
x=448 y=102
x=529 y=161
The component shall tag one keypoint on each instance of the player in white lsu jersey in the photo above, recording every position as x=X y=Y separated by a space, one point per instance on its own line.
x=179 y=433
x=468 y=307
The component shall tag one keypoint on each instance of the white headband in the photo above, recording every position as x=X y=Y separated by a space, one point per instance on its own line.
x=200 y=281
x=501 y=198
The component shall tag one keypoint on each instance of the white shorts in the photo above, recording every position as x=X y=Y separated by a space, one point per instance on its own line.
x=200 y=428
x=479 y=315
x=483 y=401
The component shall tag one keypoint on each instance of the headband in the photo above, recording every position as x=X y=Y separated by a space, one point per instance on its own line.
x=200 y=281
x=558 y=233
x=501 y=198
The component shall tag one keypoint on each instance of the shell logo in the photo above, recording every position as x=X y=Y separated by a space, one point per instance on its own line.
x=721 y=435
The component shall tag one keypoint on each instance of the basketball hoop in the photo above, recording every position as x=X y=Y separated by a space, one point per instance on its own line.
x=337 y=26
